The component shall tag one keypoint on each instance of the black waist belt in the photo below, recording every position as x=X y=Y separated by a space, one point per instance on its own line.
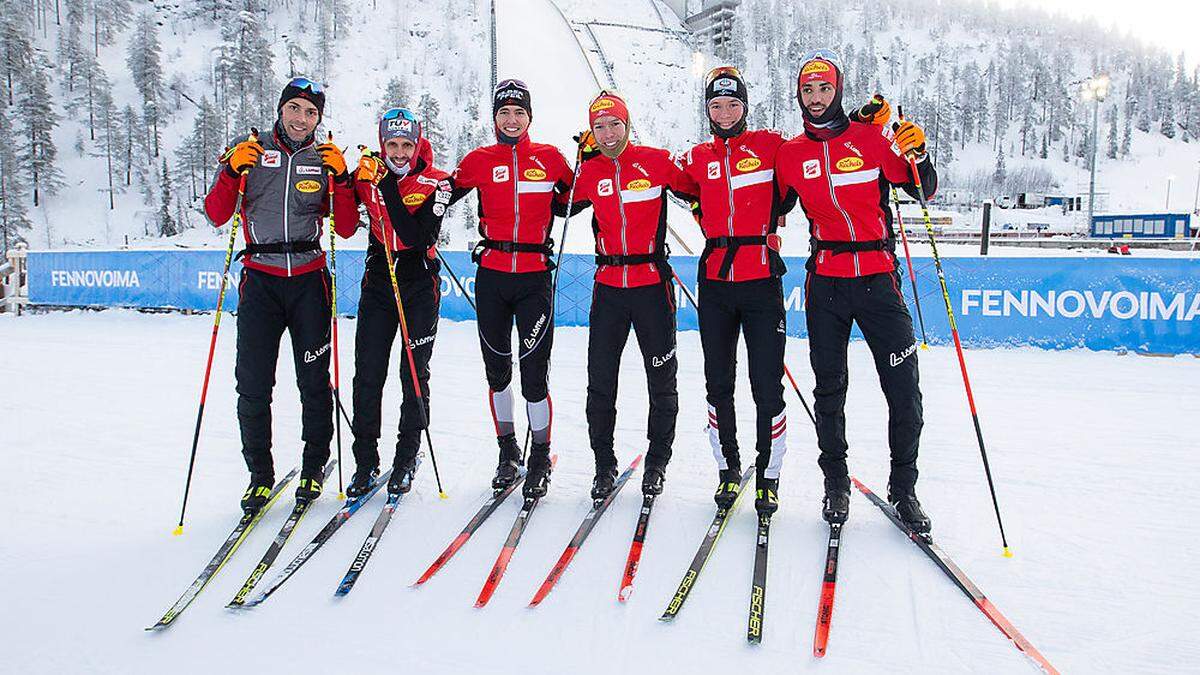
x=732 y=244
x=850 y=246
x=632 y=259
x=279 y=247
x=546 y=248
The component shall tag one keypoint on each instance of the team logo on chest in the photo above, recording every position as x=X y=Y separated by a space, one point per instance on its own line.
x=307 y=170
x=638 y=185
x=849 y=164
x=812 y=168
x=714 y=170
x=534 y=174
x=270 y=159
x=749 y=164
x=500 y=173
x=604 y=188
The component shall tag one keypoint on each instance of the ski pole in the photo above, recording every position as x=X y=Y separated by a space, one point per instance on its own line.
x=386 y=236
x=337 y=373
x=692 y=299
x=911 y=275
x=212 y=344
x=962 y=363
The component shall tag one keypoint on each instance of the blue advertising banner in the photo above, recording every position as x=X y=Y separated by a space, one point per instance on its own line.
x=1148 y=305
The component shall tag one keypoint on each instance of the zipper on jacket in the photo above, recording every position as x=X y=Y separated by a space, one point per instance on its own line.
x=624 y=224
x=729 y=182
x=516 y=206
x=833 y=196
x=287 y=196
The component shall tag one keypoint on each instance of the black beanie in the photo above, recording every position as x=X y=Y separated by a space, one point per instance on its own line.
x=511 y=92
x=294 y=89
x=727 y=84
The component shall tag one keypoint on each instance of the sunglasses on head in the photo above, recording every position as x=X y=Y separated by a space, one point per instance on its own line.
x=400 y=113
x=305 y=83
x=823 y=54
x=719 y=71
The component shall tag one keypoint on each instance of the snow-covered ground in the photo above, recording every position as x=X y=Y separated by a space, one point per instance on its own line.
x=1094 y=456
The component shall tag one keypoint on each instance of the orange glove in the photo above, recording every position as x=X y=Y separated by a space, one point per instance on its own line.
x=332 y=159
x=370 y=169
x=243 y=156
x=877 y=111
x=910 y=138
x=587 y=144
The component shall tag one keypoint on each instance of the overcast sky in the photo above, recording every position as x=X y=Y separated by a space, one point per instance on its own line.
x=1172 y=24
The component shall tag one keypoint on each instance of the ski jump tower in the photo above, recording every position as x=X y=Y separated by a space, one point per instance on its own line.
x=710 y=21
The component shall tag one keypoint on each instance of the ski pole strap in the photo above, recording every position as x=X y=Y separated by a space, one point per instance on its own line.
x=546 y=248
x=279 y=247
x=632 y=259
x=837 y=247
x=732 y=244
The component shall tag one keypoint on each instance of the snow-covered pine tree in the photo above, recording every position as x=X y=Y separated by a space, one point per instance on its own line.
x=13 y=219
x=38 y=119
x=144 y=59
x=166 y=223
x=16 y=52
x=246 y=68
x=431 y=112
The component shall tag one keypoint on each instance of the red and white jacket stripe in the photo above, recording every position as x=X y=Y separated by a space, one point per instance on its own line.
x=521 y=188
x=842 y=186
x=629 y=216
x=735 y=181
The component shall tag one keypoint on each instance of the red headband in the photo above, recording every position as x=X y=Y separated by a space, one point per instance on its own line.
x=608 y=105
x=819 y=70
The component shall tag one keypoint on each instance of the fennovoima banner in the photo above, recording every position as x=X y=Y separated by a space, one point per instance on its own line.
x=1147 y=305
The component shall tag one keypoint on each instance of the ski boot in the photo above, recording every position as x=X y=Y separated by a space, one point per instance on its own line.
x=362 y=481
x=766 y=496
x=509 y=468
x=728 y=487
x=836 y=506
x=910 y=513
x=257 y=493
x=403 y=472
x=537 y=481
x=652 y=481
x=604 y=483
x=310 y=484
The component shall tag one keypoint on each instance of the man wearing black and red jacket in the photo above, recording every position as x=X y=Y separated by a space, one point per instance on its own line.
x=626 y=189
x=284 y=283
x=522 y=185
x=741 y=290
x=839 y=170
x=406 y=197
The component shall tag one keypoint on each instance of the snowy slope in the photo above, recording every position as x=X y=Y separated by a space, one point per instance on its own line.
x=1093 y=455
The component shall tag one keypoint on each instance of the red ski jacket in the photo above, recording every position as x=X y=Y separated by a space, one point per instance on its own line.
x=842 y=185
x=739 y=205
x=521 y=188
x=629 y=216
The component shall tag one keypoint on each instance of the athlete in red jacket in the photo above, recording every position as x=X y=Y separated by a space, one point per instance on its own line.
x=522 y=185
x=406 y=197
x=626 y=189
x=740 y=286
x=839 y=171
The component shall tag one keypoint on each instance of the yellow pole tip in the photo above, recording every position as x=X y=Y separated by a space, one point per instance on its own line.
x=1007 y=552
x=341 y=496
x=925 y=346
x=443 y=495
x=177 y=531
